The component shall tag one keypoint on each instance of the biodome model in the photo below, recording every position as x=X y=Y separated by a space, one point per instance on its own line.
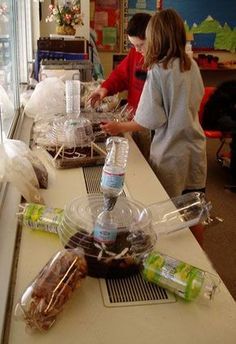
x=137 y=229
x=117 y=258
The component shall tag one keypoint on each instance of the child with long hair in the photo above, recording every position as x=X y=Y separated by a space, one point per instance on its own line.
x=169 y=105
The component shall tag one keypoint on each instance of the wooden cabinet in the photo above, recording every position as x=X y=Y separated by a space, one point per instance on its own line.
x=214 y=77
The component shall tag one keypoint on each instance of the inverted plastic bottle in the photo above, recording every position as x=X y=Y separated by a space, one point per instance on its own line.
x=113 y=173
x=183 y=279
x=105 y=229
x=73 y=97
x=78 y=131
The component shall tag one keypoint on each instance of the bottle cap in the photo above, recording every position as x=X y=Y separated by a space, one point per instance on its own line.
x=210 y=286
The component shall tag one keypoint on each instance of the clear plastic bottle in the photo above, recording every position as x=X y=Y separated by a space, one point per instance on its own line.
x=183 y=279
x=180 y=212
x=73 y=97
x=113 y=173
x=105 y=229
x=77 y=130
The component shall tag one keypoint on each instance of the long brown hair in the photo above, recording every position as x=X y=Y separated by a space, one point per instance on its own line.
x=166 y=40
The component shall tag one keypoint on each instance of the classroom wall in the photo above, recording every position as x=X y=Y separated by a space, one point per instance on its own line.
x=44 y=29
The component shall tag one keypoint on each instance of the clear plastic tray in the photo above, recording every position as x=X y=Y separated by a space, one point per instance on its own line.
x=134 y=234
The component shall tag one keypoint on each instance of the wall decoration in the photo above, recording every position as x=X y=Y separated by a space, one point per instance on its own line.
x=213 y=23
x=105 y=20
x=130 y=7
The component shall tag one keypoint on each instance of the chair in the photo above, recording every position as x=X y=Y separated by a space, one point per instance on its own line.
x=223 y=157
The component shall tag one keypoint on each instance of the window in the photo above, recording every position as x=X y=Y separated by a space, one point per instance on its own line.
x=15 y=51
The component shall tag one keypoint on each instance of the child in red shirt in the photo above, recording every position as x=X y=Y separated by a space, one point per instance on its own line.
x=125 y=77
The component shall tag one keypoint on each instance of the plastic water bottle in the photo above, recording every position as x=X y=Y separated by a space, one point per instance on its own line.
x=113 y=173
x=188 y=49
x=73 y=97
x=105 y=229
x=183 y=279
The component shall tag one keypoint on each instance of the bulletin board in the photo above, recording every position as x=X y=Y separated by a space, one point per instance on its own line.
x=105 y=20
x=130 y=7
x=213 y=23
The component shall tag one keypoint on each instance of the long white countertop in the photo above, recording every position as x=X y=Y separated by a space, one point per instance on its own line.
x=85 y=319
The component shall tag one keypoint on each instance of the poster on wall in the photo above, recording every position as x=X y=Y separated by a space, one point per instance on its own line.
x=130 y=7
x=212 y=23
x=105 y=21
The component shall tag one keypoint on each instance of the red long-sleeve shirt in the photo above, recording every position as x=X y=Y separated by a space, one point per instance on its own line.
x=123 y=78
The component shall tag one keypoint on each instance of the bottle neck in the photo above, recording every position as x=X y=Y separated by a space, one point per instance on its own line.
x=109 y=202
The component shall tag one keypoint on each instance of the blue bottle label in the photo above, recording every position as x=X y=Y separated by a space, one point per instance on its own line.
x=111 y=180
x=104 y=235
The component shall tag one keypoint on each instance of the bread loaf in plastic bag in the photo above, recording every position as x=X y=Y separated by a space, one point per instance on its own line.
x=48 y=293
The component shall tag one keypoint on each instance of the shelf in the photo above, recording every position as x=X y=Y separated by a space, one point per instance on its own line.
x=217 y=69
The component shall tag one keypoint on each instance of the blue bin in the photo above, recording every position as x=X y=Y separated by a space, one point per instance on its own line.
x=204 y=40
x=56 y=55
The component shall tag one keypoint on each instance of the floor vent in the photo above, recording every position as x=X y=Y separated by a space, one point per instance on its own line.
x=133 y=291
x=92 y=177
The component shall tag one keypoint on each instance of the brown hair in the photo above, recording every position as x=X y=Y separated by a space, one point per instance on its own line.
x=137 y=25
x=165 y=40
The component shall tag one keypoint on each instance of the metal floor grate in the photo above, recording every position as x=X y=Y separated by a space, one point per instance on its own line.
x=92 y=177
x=133 y=291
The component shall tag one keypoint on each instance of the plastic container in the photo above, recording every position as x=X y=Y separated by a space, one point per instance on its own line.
x=73 y=97
x=46 y=296
x=179 y=212
x=138 y=228
x=78 y=132
x=115 y=258
x=113 y=172
x=183 y=279
x=71 y=133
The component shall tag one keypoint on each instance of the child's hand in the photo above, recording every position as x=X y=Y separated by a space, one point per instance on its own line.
x=111 y=128
x=96 y=96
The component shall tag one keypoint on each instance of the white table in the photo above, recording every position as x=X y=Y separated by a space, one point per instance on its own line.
x=85 y=319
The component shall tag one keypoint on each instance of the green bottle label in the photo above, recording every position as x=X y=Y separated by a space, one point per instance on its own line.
x=181 y=278
x=40 y=217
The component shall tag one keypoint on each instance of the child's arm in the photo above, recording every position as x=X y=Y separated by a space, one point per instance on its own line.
x=114 y=128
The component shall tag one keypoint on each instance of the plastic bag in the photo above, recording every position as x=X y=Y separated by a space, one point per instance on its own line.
x=20 y=163
x=2 y=162
x=18 y=170
x=46 y=296
x=40 y=170
x=47 y=99
x=25 y=97
x=6 y=104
